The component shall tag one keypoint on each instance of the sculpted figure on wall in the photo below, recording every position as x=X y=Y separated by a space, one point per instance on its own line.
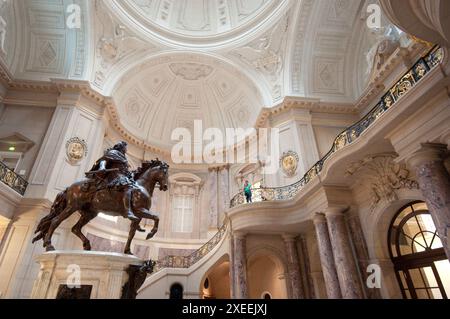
x=387 y=41
x=383 y=177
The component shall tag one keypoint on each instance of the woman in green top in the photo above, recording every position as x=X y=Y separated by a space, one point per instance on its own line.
x=248 y=191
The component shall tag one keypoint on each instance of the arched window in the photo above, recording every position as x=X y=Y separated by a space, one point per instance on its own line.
x=176 y=292
x=421 y=266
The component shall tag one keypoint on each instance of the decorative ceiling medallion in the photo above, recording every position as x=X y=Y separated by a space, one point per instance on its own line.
x=76 y=150
x=191 y=71
x=289 y=163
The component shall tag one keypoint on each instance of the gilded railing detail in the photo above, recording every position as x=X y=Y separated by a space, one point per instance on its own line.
x=188 y=261
x=14 y=181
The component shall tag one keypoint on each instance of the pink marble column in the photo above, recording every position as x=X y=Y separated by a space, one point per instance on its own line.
x=434 y=181
x=232 y=270
x=326 y=257
x=240 y=266
x=346 y=267
x=293 y=266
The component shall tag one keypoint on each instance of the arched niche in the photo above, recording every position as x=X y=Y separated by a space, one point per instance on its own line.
x=266 y=273
x=216 y=282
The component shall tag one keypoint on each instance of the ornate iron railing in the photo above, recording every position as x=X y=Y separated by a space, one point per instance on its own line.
x=13 y=180
x=188 y=261
x=351 y=134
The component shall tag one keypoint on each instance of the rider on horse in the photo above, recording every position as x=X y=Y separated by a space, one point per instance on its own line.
x=112 y=172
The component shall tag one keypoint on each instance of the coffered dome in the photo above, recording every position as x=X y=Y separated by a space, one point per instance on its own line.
x=199 y=22
x=174 y=90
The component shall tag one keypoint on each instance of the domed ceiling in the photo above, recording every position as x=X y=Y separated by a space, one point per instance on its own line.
x=173 y=91
x=201 y=21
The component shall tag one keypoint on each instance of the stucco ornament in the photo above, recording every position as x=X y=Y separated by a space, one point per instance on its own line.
x=289 y=163
x=383 y=177
x=76 y=150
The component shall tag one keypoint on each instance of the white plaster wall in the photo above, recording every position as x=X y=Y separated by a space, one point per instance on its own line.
x=30 y=121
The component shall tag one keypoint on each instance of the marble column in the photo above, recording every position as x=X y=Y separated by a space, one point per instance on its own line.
x=434 y=181
x=240 y=266
x=232 y=270
x=223 y=191
x=305 y=268
x=213 y=199
x=293 y=266
x=362 y=253
x=346 y=267
x=326 y=257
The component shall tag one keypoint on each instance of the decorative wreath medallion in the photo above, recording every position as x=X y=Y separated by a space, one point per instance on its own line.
x=76 y=150
x=289 y=163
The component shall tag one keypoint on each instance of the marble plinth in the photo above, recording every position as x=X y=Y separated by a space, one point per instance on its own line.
x=103 y=273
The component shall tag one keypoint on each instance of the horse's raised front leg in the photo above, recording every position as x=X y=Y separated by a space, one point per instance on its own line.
x=147 y=214
x=86 y=217
x=66 y=213
x=133 y=227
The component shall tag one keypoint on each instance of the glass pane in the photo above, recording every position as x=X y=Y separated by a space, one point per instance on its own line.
x=437 y=243
x=402 y=215
x=405 y=243
x=423 y=294
x=426 y=222
x=408 y=294
x=403 y=279
x=429 y=278
x=420 y=206
x=443 y=268
x=417 y=279
x=420 y=243
x=436 y=293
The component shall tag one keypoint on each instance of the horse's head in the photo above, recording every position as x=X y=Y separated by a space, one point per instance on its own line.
x=159 y=173
x=163 y=176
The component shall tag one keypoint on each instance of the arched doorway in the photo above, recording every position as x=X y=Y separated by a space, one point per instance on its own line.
x=176 y=292
x=421 y=266
x=266 y=277
x=216 y=284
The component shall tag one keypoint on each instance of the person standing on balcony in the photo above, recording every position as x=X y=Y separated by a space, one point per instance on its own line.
x=248 y=192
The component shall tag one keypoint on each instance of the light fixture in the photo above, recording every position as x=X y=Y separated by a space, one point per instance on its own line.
x=12 y=148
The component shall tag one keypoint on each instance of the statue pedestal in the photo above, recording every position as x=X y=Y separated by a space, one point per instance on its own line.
x=82 y=275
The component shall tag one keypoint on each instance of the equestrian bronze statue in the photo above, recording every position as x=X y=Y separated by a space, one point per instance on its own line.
x=111 y=189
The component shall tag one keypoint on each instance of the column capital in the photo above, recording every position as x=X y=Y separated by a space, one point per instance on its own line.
x=335 y=211
x=429 y=152
x=240 y=235
x=289 y=238
x=319 y=218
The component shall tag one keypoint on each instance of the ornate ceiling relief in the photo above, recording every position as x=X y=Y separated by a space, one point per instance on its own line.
x=383 y=177
x=325 y=51
x=297 y=82
x=191 y=71
x=114 y=44
x=174 y=90
x=266 y=55
x=199 y=17
x=47 y=45
x=3 y=26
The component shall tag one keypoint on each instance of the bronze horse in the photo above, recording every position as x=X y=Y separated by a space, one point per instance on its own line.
x=89 y=203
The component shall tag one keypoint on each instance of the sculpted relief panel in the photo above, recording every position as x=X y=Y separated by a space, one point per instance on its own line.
x=266 y=56
x=383 y=177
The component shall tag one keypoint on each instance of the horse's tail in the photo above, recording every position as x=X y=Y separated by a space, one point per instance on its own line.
x=57 y=208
